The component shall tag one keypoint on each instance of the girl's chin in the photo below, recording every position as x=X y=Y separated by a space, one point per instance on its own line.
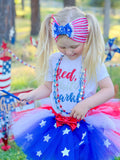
x=73 y=57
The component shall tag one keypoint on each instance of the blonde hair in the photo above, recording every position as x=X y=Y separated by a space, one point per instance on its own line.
x=93 y=53
x=94 y=47
x=45 y=47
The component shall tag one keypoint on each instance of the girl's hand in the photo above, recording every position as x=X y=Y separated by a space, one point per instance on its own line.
x=24 y=98
x=80 y=110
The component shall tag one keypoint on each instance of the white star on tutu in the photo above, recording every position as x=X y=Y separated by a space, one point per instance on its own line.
x=46 y=138
x=39 y=153
x=66 y=131
x=55 y=125
x=42 y=123
x=107 y=143
x=81 y=143
x=83 y=135
x=65 y=152
x=78 y=125
x=29 y=137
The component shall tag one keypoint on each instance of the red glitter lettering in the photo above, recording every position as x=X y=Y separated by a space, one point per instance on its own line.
x=64 y=74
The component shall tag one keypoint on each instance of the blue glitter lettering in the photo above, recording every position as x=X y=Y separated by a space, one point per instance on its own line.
x=71 y=95
x=67 y=97
x=61 y=98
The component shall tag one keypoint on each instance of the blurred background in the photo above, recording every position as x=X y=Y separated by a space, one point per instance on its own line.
x=21 y=19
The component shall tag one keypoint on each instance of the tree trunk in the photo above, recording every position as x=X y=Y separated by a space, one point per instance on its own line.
x=22 y=4
x=107 y=18
x=68 y=3
x=7 y=18
x=35 y=17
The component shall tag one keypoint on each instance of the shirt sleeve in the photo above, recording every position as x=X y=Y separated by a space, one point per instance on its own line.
x=102 y=72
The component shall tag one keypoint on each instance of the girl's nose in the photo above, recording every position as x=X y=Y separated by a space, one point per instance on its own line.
x=68 y=52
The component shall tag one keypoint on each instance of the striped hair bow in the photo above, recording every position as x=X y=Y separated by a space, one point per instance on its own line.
x=77 y=30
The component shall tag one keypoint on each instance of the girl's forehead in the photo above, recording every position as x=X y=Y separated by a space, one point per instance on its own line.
x=65 y=41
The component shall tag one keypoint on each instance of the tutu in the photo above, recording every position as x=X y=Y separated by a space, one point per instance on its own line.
x=45 y=135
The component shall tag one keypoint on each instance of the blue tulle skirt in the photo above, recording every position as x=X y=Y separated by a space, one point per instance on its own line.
x=39 y=137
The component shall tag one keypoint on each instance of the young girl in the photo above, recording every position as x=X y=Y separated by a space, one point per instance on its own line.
x=78 y=124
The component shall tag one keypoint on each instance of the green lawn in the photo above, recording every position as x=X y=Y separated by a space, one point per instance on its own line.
x=22 y=77
x=14 y=153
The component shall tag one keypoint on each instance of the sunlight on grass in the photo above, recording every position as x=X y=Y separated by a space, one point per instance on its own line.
x=115 y=31
x=116 y=58
x=22 y=22
x=23 y=77
x=22 y=36
x=47 y=10
x=25 y=29
x=20 y=12
x=116 y=17
x=22 y=28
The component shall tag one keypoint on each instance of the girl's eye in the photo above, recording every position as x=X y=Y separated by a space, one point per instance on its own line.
x=74 y=47
x=62 y=47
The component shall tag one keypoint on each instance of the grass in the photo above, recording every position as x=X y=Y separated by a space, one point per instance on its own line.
x=114 y=72
x=14 y=153
x=23 y=77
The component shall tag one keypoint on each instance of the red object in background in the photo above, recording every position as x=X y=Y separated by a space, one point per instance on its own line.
x=5 y=141
x=4 y=45
x=33 y=42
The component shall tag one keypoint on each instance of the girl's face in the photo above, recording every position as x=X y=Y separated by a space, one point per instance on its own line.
x=70 y=48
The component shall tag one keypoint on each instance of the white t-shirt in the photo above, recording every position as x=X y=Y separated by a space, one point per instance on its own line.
x=69 y=81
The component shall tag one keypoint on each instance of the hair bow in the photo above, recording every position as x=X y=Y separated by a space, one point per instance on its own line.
x=62 y=30
x=77 y=30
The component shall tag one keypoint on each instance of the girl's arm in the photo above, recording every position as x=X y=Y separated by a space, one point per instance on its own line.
x=106 y=92
x=42 y=91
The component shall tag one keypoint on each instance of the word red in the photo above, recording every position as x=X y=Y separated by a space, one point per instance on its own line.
x=65 y=74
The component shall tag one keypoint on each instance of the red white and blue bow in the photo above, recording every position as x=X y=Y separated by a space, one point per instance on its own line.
x=110 y=49
x=62 y=30
x=77 y=30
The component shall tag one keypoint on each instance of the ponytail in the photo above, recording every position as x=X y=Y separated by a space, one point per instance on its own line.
x=94 y=47
x=45 y=47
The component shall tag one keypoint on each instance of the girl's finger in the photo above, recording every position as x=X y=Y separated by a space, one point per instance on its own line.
x=79 y=117
x=75 y=115
x=82 y=117
x=72 y=112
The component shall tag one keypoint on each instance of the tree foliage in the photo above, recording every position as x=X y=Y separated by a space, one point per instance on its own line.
x=115 y=3
x=100 y=3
